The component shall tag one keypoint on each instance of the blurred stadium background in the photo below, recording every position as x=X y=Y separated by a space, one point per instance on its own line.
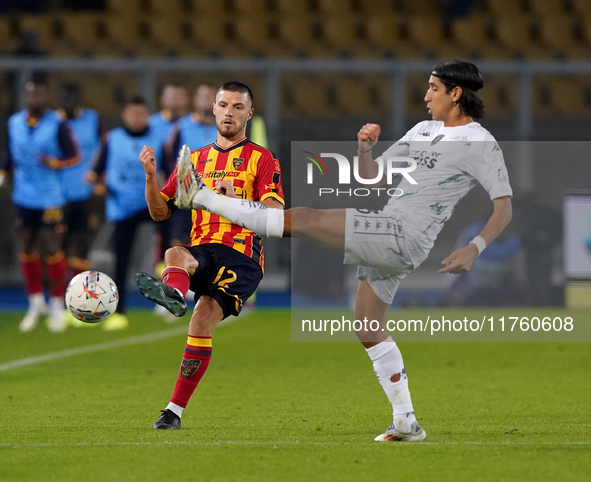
x=319 y=69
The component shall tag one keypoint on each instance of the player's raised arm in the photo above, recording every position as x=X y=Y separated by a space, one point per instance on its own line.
x=157 y=206
x=460 y=261
x=367 y=138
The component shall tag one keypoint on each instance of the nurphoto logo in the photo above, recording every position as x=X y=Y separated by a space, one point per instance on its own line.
x=394 y=166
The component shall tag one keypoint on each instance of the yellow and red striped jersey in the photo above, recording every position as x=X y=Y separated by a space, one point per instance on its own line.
x=255 y=174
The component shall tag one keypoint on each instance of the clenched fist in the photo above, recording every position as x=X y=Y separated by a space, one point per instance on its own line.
x=225 y=188
x=368 y=136
x=148 y=160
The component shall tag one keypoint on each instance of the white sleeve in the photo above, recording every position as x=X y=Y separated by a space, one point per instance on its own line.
x=487 y=165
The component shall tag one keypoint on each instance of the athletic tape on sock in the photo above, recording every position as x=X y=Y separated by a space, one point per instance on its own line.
x=399 y=396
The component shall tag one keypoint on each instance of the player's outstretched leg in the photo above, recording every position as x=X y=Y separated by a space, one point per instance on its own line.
x=192 y=193
x=155 y=290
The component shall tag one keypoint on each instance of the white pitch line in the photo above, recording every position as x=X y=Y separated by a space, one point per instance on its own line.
x=109 y=345
x=272 y=444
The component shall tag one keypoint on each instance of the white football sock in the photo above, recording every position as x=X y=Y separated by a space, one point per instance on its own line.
x=173 y=407
x=37 y=302
x=248 y=214
x=387 y=361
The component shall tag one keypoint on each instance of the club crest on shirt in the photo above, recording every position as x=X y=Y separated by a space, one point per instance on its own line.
x=237 y=162
x=189 y=367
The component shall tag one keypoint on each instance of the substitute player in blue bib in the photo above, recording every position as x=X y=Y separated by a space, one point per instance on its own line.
x=124 y=179
x=173 y=102
x=39 y=144
x=86 y=126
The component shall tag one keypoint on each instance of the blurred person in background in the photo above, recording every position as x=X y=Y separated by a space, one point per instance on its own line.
x=124 y=179
x=197 y=130
x=39 y=144
x=174 y=102
x=87 y=129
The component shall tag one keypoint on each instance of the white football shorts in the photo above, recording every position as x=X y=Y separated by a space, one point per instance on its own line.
x=385 y=247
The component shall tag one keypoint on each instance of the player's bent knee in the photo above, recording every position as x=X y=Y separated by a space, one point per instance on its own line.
x=179 y=256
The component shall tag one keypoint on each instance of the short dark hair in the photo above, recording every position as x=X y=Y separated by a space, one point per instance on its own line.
x=38 y=79
x=237 y=86
x=37 y=82
x=136 y=100
x=70 y=88
x=459 y=73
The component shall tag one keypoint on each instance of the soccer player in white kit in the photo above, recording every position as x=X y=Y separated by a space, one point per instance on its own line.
x=453 y=154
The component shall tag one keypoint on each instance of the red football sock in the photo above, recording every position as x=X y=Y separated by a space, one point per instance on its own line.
x=56 y=271
x=195 y=361
x=32 y=270
x=176 y=277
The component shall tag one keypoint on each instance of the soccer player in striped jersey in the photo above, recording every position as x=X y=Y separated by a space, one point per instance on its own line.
x=223 y=264
x=453 y=153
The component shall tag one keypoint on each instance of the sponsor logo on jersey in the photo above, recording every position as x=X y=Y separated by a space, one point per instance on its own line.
x=425 y=158
x=218 y=174
x=205 y=161
x=425 y=134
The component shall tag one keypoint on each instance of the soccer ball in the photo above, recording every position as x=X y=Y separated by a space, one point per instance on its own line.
x=92 y=296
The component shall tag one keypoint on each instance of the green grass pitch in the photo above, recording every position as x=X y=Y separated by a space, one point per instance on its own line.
x=272 y=410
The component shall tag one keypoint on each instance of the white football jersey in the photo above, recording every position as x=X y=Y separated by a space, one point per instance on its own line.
x=450 y=162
